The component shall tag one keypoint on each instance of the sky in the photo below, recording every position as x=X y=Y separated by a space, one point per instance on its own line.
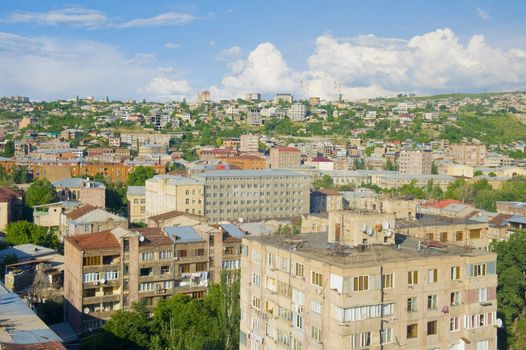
x=169 y=50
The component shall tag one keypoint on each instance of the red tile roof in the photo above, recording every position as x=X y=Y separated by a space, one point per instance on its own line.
x=80 y=211
x=441 y=203
x=97 y=240
x=499 y=220
x=6 y=194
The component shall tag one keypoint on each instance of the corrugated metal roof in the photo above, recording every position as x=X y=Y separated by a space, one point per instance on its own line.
x=233 y=230
x=183 y=234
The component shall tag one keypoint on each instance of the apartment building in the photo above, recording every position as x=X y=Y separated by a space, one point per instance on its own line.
x=415 y=162
x=297 y=112
x=285 y=157
x=165 y=193
x=448 y=230
x=110 y=270
x=246 y=162
x=85 y=191
x=89 y=219
x=390 y=293
x=249 y=143
x=324 y=200
x=254 y=116
x=232 y=195
x=468 y=154
x=282 y=98
x=136 y=199
x=10 y=206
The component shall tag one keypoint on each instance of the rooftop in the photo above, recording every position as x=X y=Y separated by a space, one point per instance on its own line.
x=78 y=182
x=246 y=173
x=136 y=190
x=183 y=234
x=434 y=220
x=26 y=251
x=20 y=325
x=316 y=247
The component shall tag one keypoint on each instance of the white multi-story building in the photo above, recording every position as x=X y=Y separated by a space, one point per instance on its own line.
x=297 y=112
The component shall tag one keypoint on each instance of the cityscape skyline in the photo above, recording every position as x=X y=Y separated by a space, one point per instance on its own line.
x=172 y=50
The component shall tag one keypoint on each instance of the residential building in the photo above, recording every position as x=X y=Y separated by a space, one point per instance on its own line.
x=468 y=154
x=511 y=208
x=297 y=112
x=447 y=230
x=110 y=270
x=89 y=219
x=253 y=96
x=165 y=193
x=10 y=207
x=232 y=195
x=415 y=162
x=285 y=157
x=136 y=199
x=85 y=191
x=249 y=143
x=231 y=142
x=203 y=97
x=50 y=215
x=325 y=200
x=254 y=116
x=246 y=162
x=215 y=153
x=391 y=293
x=150 y=150
x=320 y=163
x=282 y=98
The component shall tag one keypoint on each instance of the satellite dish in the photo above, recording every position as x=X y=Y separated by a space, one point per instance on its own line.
x=141 y=238
x=499 y=323
x=369 y=231
x=240 y=220
x=364 y=228
x=389 y=233
x=385 y=225
x=86 y=310
x=103 y=280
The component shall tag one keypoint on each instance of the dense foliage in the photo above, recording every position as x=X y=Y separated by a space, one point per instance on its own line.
x=140 y=174
x=40 y=192
x=180 y=322
x=22 y=232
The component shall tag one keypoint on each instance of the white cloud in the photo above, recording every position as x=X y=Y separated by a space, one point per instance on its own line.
x=171 y=45
x=166 y=89
x=82 y=17
x=483 y=14
x=46 y=68
x=168 y=18
x=230 y=53
x=72 y=15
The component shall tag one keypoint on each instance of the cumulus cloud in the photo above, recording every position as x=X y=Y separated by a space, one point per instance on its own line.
x=370 y=66
x=483 y=14
x=72 y=15
x=46 y=68
x=167 y=89
x=227 y=54
x=82 y=17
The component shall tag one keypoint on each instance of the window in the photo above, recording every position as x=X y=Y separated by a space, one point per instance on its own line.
x=91 y=277
x=199 y=252
x=443 y=236
x=299 y=270
x=255 y=257
x=147 y=256
x=478 y=270
x=88 y=293
x=256 y=279
x=270 y=260
x=483 y=295
x=256 y=302
x=317 y=279
x=455 y=298
x=454 y=324
x=474 y=234
x=146 y=286
x=165 y=254
x=432 y=327
x=388 y=280
x=165 y=270
x=284 y=264
x=432 y=275
x=412 y=304
x=200 y=267
x=184 y=268
x=298 y=297
x=91 y=260
x=455 y=272
x=297 y=321
x=316 y=306
x=459 y=235
x=483 y=345
x=315 y=333
x=112 y=275
x=360 y=283
x=412 y=277
x=386 y=336
x=181 y=253
x=431 y=302
x=365 y=339
x=412 y=331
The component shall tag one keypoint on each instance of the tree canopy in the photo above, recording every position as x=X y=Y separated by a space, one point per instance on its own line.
x=40 y=192
x=22 y=232
x=139 y=176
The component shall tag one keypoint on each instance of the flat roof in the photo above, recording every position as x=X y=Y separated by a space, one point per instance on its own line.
x=247 y=173
x=183 y=234
x=316 y=247
x=434 y=220
x=19 y=324
x=25 y=251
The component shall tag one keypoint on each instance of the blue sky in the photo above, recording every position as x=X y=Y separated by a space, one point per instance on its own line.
x=163 y=50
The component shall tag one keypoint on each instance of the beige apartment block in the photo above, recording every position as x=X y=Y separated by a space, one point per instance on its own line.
x=285 y=157
x=468 y=154
x=136 y=198
x=249 y=143
x=165 y=193
x=301 y=292
x=447 y=230
x=110 y=270
x=415 y=162
x=249 y=195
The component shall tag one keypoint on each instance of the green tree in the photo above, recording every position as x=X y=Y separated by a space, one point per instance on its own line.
x=9 y=150
x=324 y=182
x=128 y=329
x=40 y=192
x=22 y=232
x=139 y=176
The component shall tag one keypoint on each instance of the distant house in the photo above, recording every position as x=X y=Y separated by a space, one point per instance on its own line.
x=10 y=206
x=89 y=219
x=82 y=190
